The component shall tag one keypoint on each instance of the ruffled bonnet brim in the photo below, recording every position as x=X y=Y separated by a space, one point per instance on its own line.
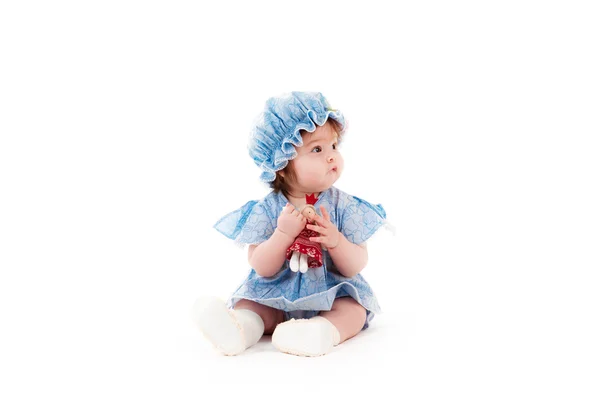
x=278 y=129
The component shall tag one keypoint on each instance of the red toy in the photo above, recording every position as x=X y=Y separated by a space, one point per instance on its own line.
x=303 y=253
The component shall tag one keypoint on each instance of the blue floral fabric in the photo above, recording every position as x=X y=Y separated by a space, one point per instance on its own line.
x=297 y=293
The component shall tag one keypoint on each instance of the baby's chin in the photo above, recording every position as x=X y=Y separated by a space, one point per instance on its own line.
x=324 y=184
x=329 y=182
x=335 y=176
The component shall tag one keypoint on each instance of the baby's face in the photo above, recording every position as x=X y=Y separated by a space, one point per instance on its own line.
x=318 y=164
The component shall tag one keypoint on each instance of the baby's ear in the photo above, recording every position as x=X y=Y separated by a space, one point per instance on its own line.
x=281 y=173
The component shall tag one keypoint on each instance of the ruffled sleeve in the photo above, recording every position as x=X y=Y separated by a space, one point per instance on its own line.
x=361 y=219
x=251 y=224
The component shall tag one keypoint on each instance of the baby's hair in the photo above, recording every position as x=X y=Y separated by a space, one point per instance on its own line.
x=282 y=184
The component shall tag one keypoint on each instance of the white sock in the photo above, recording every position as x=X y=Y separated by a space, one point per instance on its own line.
x=231 y=332
x=336 y=333
x=306 y=337
x=253 y=326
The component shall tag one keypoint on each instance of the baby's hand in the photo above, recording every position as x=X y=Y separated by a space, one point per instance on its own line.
x=330 y=236
x=290 y=221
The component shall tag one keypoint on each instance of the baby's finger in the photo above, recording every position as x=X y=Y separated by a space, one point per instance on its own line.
x=295 y=212
x=324 y=213
x=320 y=221
x=318 y=229
x=286 y=208
x=316 y=219
x=317 y=239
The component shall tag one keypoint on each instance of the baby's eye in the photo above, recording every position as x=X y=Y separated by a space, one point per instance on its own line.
x=334 y=146
x=317 y=149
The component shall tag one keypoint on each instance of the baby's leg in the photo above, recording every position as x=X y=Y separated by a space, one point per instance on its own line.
x=270 y=316
x=232 y=331
x=318 y=335
x=347 y=315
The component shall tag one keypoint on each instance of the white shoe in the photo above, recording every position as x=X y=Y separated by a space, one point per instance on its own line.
x=306 y=337
x=230 y=331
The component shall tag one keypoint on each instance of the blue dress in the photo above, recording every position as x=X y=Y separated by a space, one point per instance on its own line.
x=304 y=295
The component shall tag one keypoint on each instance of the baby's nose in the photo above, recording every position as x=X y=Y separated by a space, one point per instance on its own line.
x=330 y=159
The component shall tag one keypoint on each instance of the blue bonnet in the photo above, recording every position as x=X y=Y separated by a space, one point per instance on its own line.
x=277 y=131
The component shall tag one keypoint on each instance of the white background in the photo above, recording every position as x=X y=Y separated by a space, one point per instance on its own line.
x=123 y=139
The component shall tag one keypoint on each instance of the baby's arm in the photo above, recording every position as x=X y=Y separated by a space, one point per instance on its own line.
x=349 y=258
x=267 y=257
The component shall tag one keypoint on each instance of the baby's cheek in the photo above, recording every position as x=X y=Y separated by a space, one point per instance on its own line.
x=310 y=177
x=340 y=164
